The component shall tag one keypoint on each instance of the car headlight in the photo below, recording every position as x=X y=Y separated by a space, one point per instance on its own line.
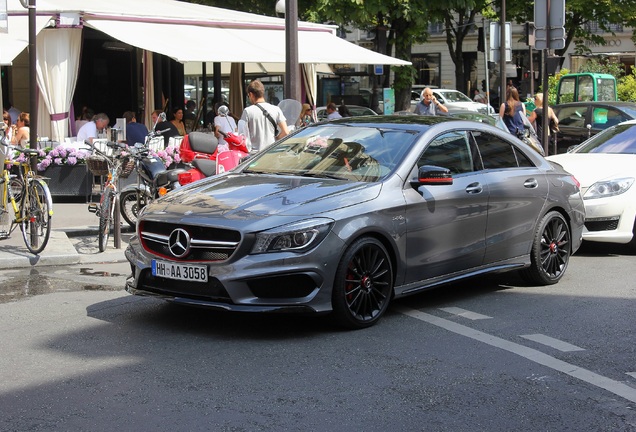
x=295 y=237
x=608 y=188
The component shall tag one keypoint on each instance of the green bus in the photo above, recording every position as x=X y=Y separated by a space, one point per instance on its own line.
x=585 y=86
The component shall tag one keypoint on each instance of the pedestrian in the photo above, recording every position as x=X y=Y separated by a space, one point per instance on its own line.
x=266 y=123
x=428 y=104
x=536 y=118
x=344 y=111
x=223 y=122
x=478 y=97
x=306 y=117
x=332 y=111
x=512 y=111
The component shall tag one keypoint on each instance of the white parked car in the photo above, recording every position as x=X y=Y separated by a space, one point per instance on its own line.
x=456 y=100
x=605 y=165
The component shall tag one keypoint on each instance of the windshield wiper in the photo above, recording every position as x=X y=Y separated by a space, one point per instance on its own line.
x=324 y=175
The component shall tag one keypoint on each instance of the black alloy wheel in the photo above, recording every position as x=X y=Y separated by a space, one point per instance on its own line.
x=364 y=284
x=551 y=250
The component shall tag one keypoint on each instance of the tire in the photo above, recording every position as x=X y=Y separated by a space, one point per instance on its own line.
x=363 y=286
x=632 y=243
x=105 y=218
x=551 y=250
x=130 y=208
x=37 y=209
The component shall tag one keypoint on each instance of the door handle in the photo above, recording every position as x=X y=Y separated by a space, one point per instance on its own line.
x=531 y=184
x=474 y=188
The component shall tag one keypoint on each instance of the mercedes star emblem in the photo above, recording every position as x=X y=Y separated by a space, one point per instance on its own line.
x=179 y=243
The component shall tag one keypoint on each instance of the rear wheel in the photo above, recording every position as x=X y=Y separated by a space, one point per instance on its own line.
x=131 y=206
x=551 y=249
x=364 y=284
x=37 y=209
x=105 y=218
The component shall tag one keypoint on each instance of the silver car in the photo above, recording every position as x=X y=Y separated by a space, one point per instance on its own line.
x=341 y=217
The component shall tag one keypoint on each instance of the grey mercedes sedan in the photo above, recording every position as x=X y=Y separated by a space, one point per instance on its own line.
x=343 y=216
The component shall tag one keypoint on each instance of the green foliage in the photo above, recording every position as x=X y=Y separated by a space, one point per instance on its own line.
x=626 y=87
x=603 y=65
x=553 y=82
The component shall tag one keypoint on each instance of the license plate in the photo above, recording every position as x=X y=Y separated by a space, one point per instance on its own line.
x=187 y=272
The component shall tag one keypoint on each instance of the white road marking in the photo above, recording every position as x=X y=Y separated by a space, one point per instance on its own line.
x=552 y=342
x=465 y=313
x=531 y=354
x=632 y=374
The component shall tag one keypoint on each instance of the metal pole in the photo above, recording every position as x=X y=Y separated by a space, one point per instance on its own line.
x=292 y=70
x=485 y=41
x=33 y=83
x=502 y=54
x=545 y=121
x=117 y=220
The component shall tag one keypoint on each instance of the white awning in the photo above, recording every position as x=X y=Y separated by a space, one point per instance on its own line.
x=195 y=68
x=17 y=39
x=197 y=43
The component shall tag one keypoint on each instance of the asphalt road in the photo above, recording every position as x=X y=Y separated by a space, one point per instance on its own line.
x=78 y=353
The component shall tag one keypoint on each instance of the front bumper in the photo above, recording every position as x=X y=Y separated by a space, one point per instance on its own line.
x=610 y=219
x=273 y=282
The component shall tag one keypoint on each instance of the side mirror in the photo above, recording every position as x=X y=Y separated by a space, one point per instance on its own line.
x=433 y=175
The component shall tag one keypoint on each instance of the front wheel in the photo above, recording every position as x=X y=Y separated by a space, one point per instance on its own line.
x=132 y=202
x=363 y=286
x=551 y=250
x=105 y=217
x=37 y=209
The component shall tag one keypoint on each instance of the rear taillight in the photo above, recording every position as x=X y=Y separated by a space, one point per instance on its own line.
x=576 y=182
x=185 y=178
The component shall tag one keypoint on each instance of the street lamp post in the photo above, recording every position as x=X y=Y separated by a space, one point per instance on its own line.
x=292 y=69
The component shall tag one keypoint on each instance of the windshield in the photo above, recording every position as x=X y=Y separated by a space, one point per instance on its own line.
x=455 y=96
x=339 y=151
x=618 y=139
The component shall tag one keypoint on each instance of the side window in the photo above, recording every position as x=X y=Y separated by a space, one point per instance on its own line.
x=495 y=152
x=451 y=150
x=572 y=116
x=586 y=88
x=614 y=117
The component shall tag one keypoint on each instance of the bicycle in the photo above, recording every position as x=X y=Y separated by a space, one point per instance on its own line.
x=111 y=166
x=31 y=205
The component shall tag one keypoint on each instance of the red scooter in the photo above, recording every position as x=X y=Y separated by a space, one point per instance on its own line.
x=200 y=150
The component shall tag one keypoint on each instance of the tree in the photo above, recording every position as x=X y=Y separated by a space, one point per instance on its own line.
x=397 y=23
x=458 y=17
x=580 y=18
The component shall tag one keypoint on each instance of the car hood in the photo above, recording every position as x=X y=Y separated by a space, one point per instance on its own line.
x=588 y=168
x=244 y=197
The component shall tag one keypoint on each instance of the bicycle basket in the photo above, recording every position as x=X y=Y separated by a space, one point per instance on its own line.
x=127 y=167
x=98 y=165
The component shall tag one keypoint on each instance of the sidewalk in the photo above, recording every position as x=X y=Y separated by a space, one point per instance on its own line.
x=73 y=241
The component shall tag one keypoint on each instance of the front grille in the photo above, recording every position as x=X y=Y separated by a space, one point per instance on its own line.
x=605 y=224
x=213 y=290
x=206 y=243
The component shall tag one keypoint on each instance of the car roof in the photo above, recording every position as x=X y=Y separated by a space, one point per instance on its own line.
x=617 y=104
x=414 y=122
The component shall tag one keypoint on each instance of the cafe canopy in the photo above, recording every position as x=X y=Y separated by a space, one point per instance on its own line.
x=163 y=27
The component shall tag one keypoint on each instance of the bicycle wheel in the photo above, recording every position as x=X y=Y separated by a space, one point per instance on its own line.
x=36 y=213
x=130 y=208
x=105 y=217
